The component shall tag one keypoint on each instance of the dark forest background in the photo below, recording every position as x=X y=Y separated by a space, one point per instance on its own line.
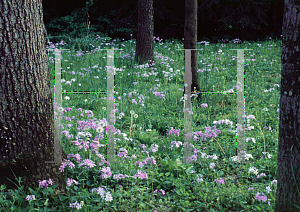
x=250 y=20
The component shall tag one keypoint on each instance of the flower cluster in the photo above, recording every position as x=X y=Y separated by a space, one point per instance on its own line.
x=45 y=183
x=76 y=156
x=87 y=163
x=71 y=181
x=246 y=156
x=162 y=191
x=76 y=205
x=210 y=132
x=253 y=170
x=30 y=197
x=106 y=172
x=154 y=147
x=173 y=132
x=123 y=152
x=64 y=164
x=144 y=162
x=260 y=198
x=177 y=143
x=120 y=176
x=262 y=174
x=140 y=175
x=221 y=181
x=101 y=191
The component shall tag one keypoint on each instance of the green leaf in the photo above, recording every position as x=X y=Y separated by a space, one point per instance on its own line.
x=155 y=180
x=46 y=202
x=168 y=174
x=257 y=207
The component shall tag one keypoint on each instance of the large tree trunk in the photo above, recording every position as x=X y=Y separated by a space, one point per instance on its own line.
x=288 y=171
x=26 y=106
x=190 y=41
x=144 y=42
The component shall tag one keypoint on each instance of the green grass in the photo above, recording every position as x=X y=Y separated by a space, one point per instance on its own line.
x=179 y=187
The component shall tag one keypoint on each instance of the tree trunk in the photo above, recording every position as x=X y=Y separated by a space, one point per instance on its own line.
x=190 y=41
x=288 y=171
x=144 y=41
x=26 y=106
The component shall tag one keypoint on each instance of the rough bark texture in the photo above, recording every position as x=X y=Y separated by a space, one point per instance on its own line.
x=144 y=41
x=288 y=171
x=190 y=40
x=26 y=106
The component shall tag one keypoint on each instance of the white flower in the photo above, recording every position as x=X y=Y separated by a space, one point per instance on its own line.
x=254 y=170
x=131 y=112
x=215 y=156
x=250 y=128
x=199 y=180
x=253 y=140
x=99 y=191
x=247 y=156
x=135 y=116
x=103 y=108
x=108 y=197
x=268 y=189
x=102 y=124
x=265 y=109
x=250 y=117
x=212 y=165
x=274 y=182
x=67 y=98
x=268 y=155
x=154 y=147
x=99 y=130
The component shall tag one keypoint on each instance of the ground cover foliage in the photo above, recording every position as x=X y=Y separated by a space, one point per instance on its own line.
x=149 y=174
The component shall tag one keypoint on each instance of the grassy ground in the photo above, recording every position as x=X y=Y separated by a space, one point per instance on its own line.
x=148 y=175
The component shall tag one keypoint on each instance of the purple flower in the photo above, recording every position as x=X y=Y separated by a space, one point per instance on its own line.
x=260 y=198
x=221 y=181
x=30 y=197
x=87 y=163
x=45 y=183
x=71 y=181
x=106 y=172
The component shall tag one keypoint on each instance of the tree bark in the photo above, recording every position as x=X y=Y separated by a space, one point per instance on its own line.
x=288 y=171
x=144 y=41
x=26 y=106
x=190 y=41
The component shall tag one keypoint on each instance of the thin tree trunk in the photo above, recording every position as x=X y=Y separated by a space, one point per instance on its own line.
x=26 y=106
x=288 y=171
x=144 y=42
x=190 y=40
